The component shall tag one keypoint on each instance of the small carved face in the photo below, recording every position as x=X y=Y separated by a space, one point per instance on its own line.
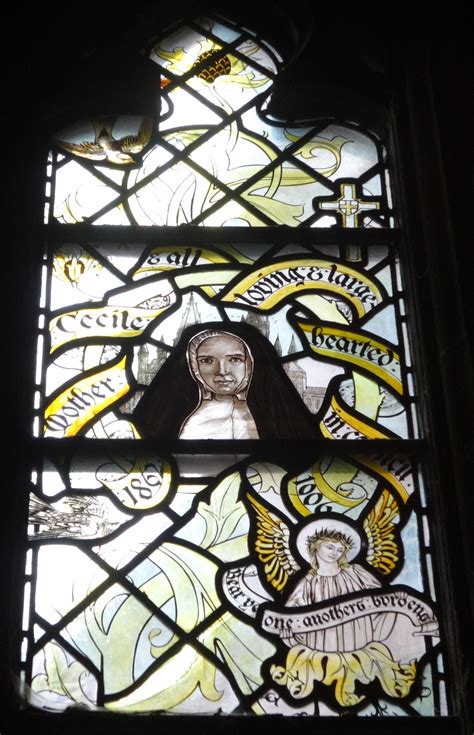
x=330 y=551
x=222 y=364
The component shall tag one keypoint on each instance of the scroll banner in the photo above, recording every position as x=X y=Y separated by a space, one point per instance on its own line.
x=239 y=593
x=314 y=485
x=139 y=484
x=360 y=350
x=266 y=287
x=77 y=405
x=339 y=423
x=101 y=322
x=207 y=280
x=318 y=618
x=396 y=471
x=163 y=258
x=147 y=302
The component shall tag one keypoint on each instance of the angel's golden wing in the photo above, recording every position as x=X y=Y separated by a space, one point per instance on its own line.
x=86 y=149
x=272 y=545
x=380 y=528
x=136 y=143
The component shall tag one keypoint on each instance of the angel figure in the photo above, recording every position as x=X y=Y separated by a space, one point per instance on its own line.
x=341 y=624
x=330 y=551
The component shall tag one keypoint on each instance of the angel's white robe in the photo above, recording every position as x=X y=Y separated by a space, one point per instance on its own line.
x=342 y=637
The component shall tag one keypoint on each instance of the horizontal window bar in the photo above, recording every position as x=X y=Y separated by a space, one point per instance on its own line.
x=116 y=724
x=280 y=447
x=272 y=234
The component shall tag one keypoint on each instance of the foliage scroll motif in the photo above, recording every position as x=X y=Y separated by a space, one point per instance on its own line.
x=216 y=605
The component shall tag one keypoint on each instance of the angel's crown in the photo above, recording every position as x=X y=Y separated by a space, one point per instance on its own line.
x=330 y=535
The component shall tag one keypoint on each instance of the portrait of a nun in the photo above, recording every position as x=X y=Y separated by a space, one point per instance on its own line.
x=223 y=381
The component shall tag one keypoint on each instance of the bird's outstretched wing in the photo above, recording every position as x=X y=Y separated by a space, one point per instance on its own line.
x=86 y=149
x=73 y=516
x=136 y=143
x=103 y=125
x=272 y=545
x=381 y=531
x=38 y=508
x=52 y=520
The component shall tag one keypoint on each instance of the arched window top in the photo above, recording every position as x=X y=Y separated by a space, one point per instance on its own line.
x=213 y=156
x=190 y=575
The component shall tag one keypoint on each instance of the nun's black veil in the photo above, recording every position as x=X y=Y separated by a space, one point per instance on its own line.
x=276 y=406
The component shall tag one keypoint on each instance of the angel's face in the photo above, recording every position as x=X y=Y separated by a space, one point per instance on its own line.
x=330 y=551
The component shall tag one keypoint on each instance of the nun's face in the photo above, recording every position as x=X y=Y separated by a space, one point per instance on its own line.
x=222 y=364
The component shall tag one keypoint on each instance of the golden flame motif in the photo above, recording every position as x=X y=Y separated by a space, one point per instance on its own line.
x=225 y=68
x=218 y=67
x=71 y=268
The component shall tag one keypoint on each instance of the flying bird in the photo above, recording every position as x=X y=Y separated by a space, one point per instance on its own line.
x=74 y=516
x=105 y=147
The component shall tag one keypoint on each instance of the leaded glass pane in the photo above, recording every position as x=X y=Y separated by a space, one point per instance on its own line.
x=317 y=331
x=202 y=584
x=286 y=566
x=212 y=156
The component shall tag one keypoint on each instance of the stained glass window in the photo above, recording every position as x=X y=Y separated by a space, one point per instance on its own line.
x=324 y=337
x=229 y=511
